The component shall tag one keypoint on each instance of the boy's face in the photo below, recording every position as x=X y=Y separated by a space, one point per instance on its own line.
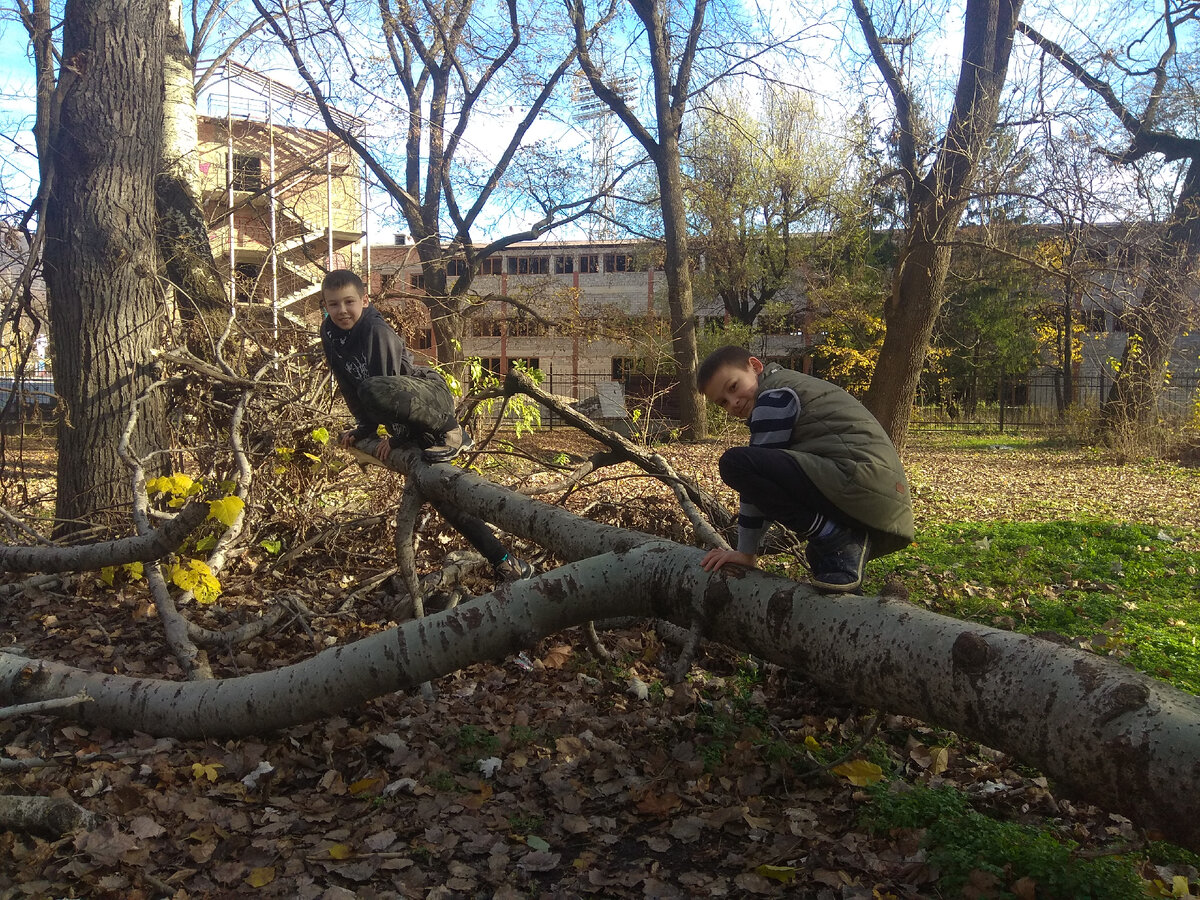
x=733 y=388
x=345 y=306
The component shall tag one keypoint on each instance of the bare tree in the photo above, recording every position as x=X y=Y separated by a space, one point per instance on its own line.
x=1171 y=252
x=936 y=195
x=672 y=49
x=447 y=61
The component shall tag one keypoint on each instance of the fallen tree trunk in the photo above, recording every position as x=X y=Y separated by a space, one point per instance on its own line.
x=83 y=557
x=1103 y=732
x=54 y=816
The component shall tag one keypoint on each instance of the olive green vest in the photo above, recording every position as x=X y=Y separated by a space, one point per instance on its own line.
x=848 y=456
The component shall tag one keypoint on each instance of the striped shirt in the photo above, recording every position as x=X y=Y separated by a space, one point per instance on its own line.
x=771 y=423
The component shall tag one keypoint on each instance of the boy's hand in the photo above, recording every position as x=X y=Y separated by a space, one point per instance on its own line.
x=346 y=438
x=717 y=557
x=384 y=450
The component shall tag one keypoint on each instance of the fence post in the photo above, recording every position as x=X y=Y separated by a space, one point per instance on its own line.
x=1002 y=401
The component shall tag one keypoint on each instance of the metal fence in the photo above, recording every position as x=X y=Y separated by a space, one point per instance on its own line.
x=1037 y=401
x=1029 y=402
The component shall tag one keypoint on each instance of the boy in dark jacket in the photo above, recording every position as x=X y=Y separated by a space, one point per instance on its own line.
x=818 y=462
x=380 y=384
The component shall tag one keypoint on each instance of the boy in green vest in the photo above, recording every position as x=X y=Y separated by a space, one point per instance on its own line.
x=818 y=463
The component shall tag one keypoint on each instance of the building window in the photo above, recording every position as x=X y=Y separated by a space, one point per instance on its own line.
x=522 y=325
x=1094 y=319
x=623 y=367
x=529 y=265
x=589 y=263
x=493 y=265
x=529 y=362
x=246 y=277
x=616 y=262
x=456 y=267
x=425 y=339
x=417 y=282
x=487 y=326
x=491 y=364
x=564 y=265
x=387 y=281
x=247 y=172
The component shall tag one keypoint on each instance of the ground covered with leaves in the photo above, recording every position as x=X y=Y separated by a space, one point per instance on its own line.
x=557 y=774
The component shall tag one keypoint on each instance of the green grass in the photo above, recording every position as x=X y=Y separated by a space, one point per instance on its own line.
x=1123 y=589
x=960 y=841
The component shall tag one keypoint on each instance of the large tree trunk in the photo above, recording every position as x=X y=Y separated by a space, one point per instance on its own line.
x=183 y=241
x=101 y=265
x=1104 y=732
x=911 y=313
x=693 y=414
x=1156 y=323
x=935 y=201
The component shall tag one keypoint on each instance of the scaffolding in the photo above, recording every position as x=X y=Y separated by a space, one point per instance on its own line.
x=293 y=202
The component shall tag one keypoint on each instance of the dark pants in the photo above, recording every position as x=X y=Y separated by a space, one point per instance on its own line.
x=409 y=405
x=475 y=530
x=773 y=481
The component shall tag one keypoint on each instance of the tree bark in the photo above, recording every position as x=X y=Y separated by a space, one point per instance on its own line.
x=183 y=240
x=81 y=557
x=935 y=201
x=670 y=82
x=100 y=257
x=693 y=414
x=1103 y=732
x=1156 y=323
x=54 y=816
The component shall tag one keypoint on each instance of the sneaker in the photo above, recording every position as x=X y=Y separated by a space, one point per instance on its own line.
x=445 y=447
x=512 y=568
x=837 y=561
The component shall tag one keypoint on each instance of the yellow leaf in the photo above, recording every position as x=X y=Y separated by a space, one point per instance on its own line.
x=158 y=485
x=261 y=877
x=1179 y=886
x=340 y=851
x=207 y=589
x=782 y=874
x=179 y=484
x=939 y=759
x=226 y=510
x=180 y=577
x=365 y=784
x=134 y=570
x=557 y=656
x=206 y=770
x=108 y=575
x=812 y=743
x=859 y=772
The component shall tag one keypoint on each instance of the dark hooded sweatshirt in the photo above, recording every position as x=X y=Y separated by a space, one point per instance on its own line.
x=367 y=349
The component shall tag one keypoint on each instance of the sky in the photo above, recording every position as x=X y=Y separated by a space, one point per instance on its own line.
x=823 y=76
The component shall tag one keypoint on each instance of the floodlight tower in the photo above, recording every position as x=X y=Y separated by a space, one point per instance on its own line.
x=595 y=115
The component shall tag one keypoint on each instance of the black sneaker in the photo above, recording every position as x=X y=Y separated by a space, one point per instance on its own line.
x=445 y=447
x=837 y=561
x=512 y=568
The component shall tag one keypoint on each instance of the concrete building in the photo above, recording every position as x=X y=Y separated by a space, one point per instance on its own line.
x=580 y=310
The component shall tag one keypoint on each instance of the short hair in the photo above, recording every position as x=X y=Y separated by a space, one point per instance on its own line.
x=729 y=355
x=340 y=278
